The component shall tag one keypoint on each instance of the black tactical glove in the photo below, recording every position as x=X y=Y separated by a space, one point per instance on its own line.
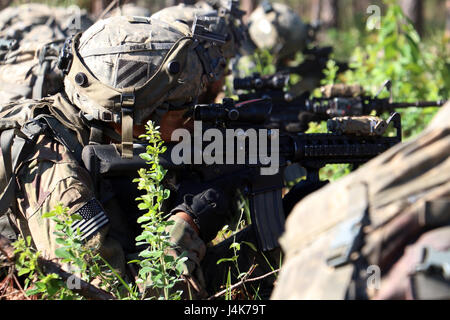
x=211 y=209
x=208 y=209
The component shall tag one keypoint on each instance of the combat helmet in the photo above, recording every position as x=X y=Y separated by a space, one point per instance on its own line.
x=218 y=17
x=127 y=70
x=276 y=27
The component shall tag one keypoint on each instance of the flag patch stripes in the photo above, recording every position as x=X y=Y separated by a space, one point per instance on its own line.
x=93 y=218
x=131 y=73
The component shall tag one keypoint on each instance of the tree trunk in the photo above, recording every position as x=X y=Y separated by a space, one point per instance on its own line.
x=447 y=24
x=4 y=4
x=327 y=12
x=315 y=11
x=330 y=13
x=98 y=6
x=413 y=9
x=360 y=6
x=248 y=6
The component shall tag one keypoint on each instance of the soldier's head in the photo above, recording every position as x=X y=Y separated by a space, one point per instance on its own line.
x=222 y=19
x=128 y=70
x=277 y=28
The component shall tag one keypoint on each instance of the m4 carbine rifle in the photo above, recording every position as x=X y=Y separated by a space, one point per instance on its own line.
x=351 y=100
x=352 y=141
x=294 y=115
x=274 y=85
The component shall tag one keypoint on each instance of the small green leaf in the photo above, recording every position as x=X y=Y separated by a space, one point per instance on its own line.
x=227 y=260
x=23 y=271
x=61 y=241
x=235 y=245
x=64 y=253
x=251 y=245
x=48 y=215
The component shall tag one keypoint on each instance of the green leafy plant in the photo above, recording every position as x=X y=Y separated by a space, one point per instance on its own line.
x=159 y=270
x=240 y=275
x=36 y=282
x=83 y=260
x=74 y=255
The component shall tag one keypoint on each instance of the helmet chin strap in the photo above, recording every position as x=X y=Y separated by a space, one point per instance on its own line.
x=127 y=101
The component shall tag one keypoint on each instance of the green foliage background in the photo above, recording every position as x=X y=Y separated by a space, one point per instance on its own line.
x=418 y=67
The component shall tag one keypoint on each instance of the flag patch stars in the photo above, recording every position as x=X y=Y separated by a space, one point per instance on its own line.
x=93 y=219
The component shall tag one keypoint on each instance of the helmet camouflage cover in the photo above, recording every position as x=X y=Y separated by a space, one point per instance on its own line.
x=123 y=69
x=279 y=29
x=219 y=18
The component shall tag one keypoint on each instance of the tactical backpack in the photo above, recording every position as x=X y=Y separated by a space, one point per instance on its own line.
x=12 y=118
x=31 y=37
x=358 y=234
x=20 y=125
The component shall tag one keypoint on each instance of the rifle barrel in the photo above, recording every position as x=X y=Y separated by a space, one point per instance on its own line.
x=417 y=104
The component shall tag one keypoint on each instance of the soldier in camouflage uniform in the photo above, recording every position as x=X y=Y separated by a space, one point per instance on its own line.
x=381 y=232
x=120 y=73
x=224 y=19
x=277 y=28
x=31 y=36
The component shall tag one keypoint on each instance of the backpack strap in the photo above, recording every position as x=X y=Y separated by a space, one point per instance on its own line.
x=7 y=136
x=62 y=134
x=45 y=59
x=38 y=87
x=13 y=141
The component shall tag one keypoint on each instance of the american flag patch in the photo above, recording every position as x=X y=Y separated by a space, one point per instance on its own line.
x=131 y=73
x=93 y=218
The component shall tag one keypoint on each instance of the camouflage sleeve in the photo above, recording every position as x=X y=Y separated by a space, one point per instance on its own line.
x=187 y=241
x=51 y=176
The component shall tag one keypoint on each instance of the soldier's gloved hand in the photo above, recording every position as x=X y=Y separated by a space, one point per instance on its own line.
x=209 y=204
x=208 y=210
